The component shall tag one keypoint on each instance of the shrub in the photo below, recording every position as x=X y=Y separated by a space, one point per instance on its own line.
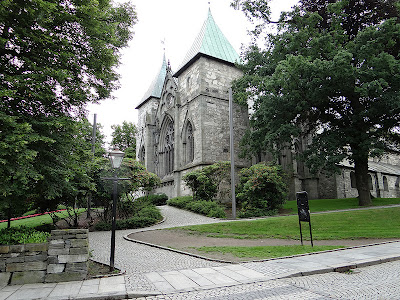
x=180 y=202
x=205 y=183
x=155 y=199
x=208 y=208
x=102 y=226
x=22 y=235
x=261 y=191
x=146 y=216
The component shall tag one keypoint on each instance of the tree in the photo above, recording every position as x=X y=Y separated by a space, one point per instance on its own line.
x=55 y=57
x=207 y=183
x=334 y=76
x=262 y=190
x=124 y=137
x=137 y=178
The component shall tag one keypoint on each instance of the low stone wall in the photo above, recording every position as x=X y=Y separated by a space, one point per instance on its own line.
x=63 y=258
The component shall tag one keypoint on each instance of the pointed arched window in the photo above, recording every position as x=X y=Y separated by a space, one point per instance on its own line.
x=142 y=155
x=167 y=147
x=188 y=146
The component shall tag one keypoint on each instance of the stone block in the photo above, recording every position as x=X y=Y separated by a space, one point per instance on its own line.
x=63 y=277
x=55 y=268
x=81 y=267
x=4 y=249
x=28 y=277
x=58 y=251
x=2 y=266
x=15 y=267
x=52 y=260
x=35 y=265
x=72 y=258
x=16 y=259
x=4 y=279
x=17 y=248
x=57 y=232
x=83 y=250
x=82 y=236
x=38 y=257
x=79 y=243
x=58 y=243
x=42 y=247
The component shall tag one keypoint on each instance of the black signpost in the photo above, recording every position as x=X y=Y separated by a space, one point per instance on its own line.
x=303 y=211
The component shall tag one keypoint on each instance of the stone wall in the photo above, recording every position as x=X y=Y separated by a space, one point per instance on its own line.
x=63 y=258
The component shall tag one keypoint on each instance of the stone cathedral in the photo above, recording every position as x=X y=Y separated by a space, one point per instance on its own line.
x=183 y=125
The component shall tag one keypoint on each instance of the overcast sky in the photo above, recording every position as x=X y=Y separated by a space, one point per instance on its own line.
x=178 y=22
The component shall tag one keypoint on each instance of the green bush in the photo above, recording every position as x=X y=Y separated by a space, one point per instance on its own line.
x=102 y=226
x=208 y=208
x=155 y=199
x=135 y=222
x=144 y=217
x=180 y=202
x=22 y=235
x=206 y=182
x=262 y=190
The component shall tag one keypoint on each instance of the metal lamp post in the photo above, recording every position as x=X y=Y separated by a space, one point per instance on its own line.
x=116 y=158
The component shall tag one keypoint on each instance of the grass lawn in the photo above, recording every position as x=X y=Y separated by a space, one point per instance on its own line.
x=335 y=204
x=264 y=252
x=38 y=220
x=374 y=223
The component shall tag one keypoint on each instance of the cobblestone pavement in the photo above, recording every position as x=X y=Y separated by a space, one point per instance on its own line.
x=136 y=259
x=374 y=282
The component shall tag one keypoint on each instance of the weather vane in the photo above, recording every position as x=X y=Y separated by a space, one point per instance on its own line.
x=163 y=43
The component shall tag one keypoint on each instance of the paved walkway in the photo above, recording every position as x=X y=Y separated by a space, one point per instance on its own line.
x=152 y=271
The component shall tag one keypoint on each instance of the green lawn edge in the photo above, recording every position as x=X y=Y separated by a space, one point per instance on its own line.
x=38 y=220
x=265 y=252
x=380 y=223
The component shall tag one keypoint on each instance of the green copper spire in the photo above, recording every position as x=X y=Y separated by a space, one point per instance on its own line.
x=156 y=86
x=210 y=42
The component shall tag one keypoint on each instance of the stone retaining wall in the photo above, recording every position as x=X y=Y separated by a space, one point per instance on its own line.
x=63 y=258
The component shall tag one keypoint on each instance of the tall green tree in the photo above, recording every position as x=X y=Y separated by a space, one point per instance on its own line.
x=124 y=137
x=332 y=71
x=55 y=57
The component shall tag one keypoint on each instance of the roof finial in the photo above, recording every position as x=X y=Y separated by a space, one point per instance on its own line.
x=163 y=43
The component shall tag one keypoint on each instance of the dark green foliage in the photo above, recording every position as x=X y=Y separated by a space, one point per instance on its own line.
x=156 y=199
x=262 y=190
x=206 y=182
x=55 y=58
x=22 y=235
x=138 y=214
x=180 y=202
x=124 y=137
x=208 y=208
x=329 y=78
x=136 y=222
x=45 y=227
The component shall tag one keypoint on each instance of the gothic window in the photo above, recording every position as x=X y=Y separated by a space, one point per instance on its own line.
x=188 y=144
x=371 y=187
x=142 y=155
x=353 y=179
x=385 y=184
x=169 y=100
x=168 y=148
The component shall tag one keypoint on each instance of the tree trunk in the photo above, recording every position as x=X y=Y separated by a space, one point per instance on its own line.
x=362 y=181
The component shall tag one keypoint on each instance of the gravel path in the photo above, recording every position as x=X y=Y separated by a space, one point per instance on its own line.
x=136 y=259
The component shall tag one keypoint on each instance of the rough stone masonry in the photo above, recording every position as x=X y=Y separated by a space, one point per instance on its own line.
x=63 y=258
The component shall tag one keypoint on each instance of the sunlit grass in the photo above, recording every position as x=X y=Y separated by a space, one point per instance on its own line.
x=374 y=223
x=38 y=220
x=265 y=252
x=317 y=205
